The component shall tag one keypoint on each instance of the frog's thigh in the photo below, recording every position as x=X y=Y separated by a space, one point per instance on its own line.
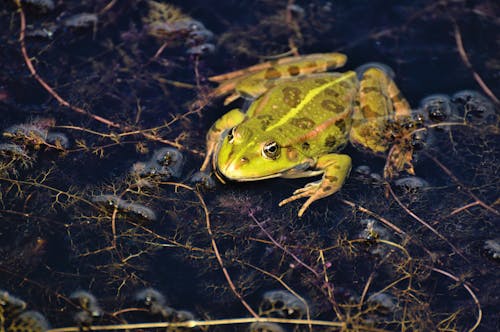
x=335 y=168
x=379 y=101
x=227 y=121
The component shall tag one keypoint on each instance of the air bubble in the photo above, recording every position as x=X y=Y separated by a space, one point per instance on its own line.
x=475 y=106
x=87 y=302
x=79 y=21
x=383 y=67
x=363 y=170
x=438 y=107
x=266 y=327
x=155 y=302
x=165 y=163
x=30 y=321
x=282 y=304
x=58 y=139
x=112 y=201
x=202 y=49
x=411 y=182
x=492 y=248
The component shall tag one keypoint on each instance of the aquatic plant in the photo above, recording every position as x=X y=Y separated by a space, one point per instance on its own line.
x=100 y=228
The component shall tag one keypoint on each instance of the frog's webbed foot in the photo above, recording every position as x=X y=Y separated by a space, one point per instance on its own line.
x=311 y=190
x=337 y=167
x=400 y=159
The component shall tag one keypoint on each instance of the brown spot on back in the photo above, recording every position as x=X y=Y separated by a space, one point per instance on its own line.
x=320 y=81
x=368 y=89
x=302 y=123
x=330 y=141
x=341 y=125
x=293 y=70
x=344 y=84
x=272 y=73
x=332 y=106
x=291 y=96
x=331 y=92
x=265 y=120
x=305 y=146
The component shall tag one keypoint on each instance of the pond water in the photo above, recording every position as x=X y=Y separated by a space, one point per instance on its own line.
x=106 y=105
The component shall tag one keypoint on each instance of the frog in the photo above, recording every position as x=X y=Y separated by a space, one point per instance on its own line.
x=299 y=119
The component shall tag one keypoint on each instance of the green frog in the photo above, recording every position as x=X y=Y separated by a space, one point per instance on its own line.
x=299 y=120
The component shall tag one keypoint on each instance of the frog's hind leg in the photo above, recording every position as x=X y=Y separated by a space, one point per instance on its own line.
x=379 y=118
x=252 y=82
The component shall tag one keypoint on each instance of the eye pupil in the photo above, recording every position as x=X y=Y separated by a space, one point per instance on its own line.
x=271 y=150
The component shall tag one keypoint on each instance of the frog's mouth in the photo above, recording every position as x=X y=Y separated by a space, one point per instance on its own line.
x=224 y=178
x=296 y=171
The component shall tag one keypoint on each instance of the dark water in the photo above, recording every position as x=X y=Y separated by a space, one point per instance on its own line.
x=74 y=217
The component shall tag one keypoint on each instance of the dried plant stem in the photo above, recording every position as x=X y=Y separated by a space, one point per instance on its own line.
x=457 y=181
x=424 y=223
x=44 y=84
x=465 y=59
x=217 y=253
x=64 y=102
x=470 y=291
x=218 y=322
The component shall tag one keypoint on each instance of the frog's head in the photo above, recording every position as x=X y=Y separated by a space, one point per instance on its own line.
x=245 y=156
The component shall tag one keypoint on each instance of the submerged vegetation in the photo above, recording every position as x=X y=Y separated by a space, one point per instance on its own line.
x=106 y=105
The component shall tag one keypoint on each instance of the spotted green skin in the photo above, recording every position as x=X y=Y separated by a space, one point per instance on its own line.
x=308 y=119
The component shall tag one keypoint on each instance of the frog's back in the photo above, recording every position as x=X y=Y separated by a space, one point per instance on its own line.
x=311 y=114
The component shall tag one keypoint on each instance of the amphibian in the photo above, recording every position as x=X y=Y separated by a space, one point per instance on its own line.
x=300 y=119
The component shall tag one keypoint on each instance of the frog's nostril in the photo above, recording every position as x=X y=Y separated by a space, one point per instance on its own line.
x=244 y=160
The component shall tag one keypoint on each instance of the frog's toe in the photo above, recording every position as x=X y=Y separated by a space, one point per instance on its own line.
x=304 y=206
x=312 y=190
x=310 y=187
x=297 y=194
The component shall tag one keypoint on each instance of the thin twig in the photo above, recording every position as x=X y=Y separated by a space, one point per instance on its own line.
x=472 y=294
x=457 y=181
x=64 y=102
x=424 y=223
x=465 y=59
x=291 y=254
x=218 y=256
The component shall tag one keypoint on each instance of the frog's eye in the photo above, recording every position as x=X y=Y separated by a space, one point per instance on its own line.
x=271 y=150
x=230 y=135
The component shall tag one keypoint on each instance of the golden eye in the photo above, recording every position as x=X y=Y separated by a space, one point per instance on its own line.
x=271 y=150
x=230 y=135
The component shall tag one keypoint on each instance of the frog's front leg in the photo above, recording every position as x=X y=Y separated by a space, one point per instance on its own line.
x=227 y=121
x=336 y=169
